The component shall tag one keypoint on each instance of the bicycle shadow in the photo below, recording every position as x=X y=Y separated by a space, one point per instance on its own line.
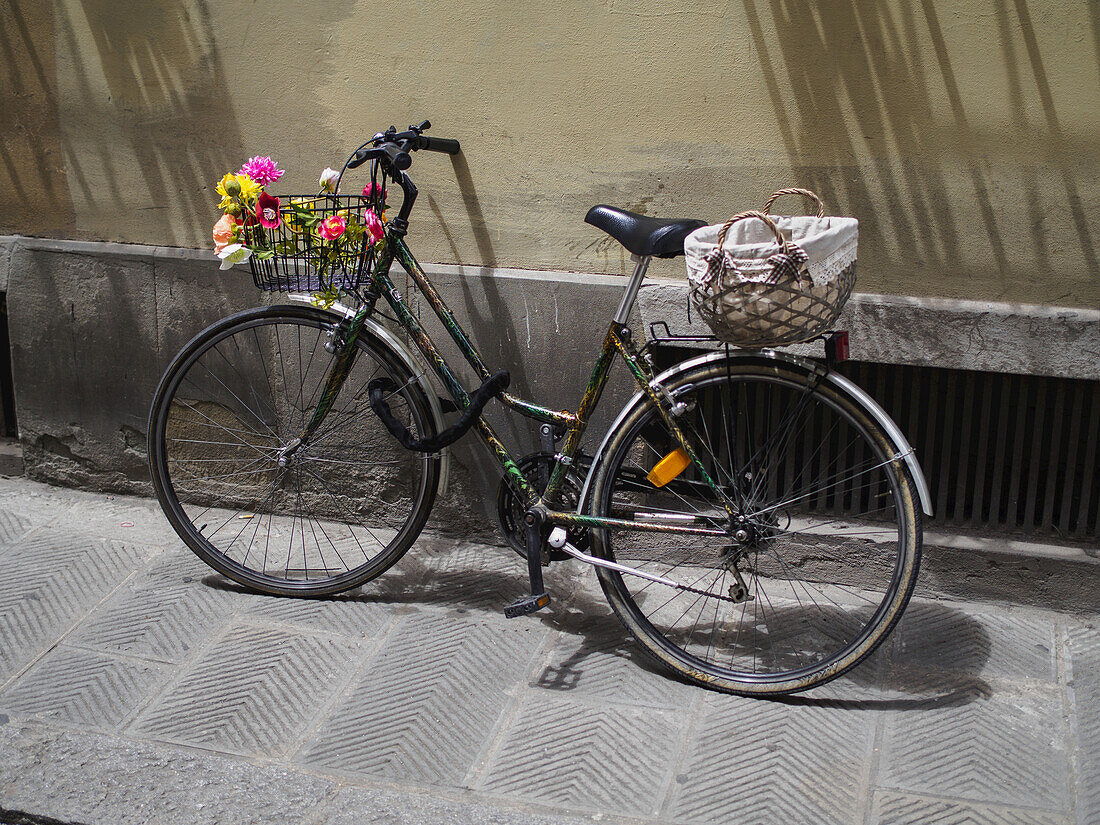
x=934 y=658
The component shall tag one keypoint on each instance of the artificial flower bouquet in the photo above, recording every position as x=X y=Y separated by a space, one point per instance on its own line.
x=317 y=243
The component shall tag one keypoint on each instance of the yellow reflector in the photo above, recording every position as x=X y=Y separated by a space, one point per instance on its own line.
x=668 y=468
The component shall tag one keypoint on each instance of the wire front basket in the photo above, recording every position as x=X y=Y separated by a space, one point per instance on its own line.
x=300 y=254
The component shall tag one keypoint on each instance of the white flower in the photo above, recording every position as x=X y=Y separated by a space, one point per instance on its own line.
x=330 y=179
x=235 y=253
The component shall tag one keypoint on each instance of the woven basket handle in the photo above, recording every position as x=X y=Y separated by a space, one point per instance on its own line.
x=806 y=193
x=740 y=216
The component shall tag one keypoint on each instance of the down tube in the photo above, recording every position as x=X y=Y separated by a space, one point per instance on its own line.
x=439 y=364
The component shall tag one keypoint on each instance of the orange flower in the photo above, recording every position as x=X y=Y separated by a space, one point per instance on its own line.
x=225 y=232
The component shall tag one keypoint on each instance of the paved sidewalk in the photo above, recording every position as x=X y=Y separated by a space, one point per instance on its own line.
x=136 y=686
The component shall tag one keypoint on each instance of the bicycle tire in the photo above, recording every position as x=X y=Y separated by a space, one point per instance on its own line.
x=834 y=530
x=341 y=509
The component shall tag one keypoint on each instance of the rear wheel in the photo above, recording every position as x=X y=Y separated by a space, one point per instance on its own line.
x=815 y=564
x=300 y=519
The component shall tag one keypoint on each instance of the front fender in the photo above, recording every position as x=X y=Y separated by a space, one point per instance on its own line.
x=411 y=362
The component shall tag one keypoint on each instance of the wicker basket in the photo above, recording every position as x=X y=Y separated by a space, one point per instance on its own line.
x=298 y=260
x=772 y=281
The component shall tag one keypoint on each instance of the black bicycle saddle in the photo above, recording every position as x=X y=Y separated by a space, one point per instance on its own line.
x=642 y=235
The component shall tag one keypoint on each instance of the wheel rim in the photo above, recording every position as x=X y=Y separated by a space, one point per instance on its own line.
x=824 y=549
x=267 y=511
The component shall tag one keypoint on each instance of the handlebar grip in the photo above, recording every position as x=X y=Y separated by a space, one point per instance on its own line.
x=359 y=158
x=399 y=155
x=436 y=144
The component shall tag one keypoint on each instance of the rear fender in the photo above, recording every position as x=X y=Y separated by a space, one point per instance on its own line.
x=765 y=357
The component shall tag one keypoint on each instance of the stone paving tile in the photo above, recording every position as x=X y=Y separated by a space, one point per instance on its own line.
x=966 y=699
x=175 y=567
x=922 y=689
x=890 y=808
x=347 y=616
x=1007 y=748
x=117 y=517
x=426 y=704
x=355 y=806
x=598 y=658
x=102 y=780
x=253 y=691
x=82 y=688
x=766 y=762
x=1083 y=647
x=40 y=504
x=51 y=579
x=614 y=760
x=160 y=623
x=474 y=577
x=1003 y=646
x=12 y=526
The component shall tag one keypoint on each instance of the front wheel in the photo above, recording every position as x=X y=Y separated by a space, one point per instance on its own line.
x=275 y=512
x=816 y=533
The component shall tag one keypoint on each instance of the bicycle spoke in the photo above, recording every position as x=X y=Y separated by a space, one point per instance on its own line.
x=270 y=512
x=814 y=537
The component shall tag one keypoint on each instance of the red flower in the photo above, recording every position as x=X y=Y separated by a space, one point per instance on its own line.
x=267 y=210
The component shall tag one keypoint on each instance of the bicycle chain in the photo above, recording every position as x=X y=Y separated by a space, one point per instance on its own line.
x=690 y=589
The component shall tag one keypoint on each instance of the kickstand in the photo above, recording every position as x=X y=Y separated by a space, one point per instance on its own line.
x=539 y=598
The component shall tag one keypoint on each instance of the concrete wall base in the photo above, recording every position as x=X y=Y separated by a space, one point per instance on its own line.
x=93 y=325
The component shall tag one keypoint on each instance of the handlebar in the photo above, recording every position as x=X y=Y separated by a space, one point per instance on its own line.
x=398 y=154
x=447 y=145
x=397 y=147
x=394 y=150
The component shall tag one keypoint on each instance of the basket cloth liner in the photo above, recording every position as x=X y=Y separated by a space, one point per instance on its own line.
x=829 y=242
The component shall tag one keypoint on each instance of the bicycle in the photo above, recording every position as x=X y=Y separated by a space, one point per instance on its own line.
x=754 y=518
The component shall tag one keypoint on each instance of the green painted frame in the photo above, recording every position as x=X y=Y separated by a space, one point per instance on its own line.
x=618 y=340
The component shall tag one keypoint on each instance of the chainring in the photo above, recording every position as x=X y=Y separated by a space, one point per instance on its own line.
x=510 y=507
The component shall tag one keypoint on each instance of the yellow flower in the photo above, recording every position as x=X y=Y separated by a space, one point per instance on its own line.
x=250 y=190
x=224 y=187
x=240 y=187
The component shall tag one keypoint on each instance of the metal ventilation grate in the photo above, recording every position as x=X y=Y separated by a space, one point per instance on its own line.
x=1015 y=452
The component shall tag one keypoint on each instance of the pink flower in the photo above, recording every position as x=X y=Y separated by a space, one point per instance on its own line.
x=372 y=189
x=225 y=230
x=374 y=226
x=267 y=210
x=262 y=170
x=332 y=228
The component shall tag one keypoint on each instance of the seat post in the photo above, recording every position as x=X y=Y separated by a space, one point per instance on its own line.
x=641 y=264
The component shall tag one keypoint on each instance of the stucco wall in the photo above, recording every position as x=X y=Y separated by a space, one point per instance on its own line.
x=964 y=134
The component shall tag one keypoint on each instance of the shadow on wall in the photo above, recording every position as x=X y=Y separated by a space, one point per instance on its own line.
x=34 y=194
x=126 y=115
x=849 y=79
x=154 y=81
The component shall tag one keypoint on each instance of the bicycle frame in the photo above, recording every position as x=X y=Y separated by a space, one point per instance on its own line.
x=618 y=340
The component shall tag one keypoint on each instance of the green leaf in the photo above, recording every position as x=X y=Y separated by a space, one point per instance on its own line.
x=326 y=298
x=304 y=216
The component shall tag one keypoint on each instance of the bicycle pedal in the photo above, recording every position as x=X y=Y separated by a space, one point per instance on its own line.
x=528 y=604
